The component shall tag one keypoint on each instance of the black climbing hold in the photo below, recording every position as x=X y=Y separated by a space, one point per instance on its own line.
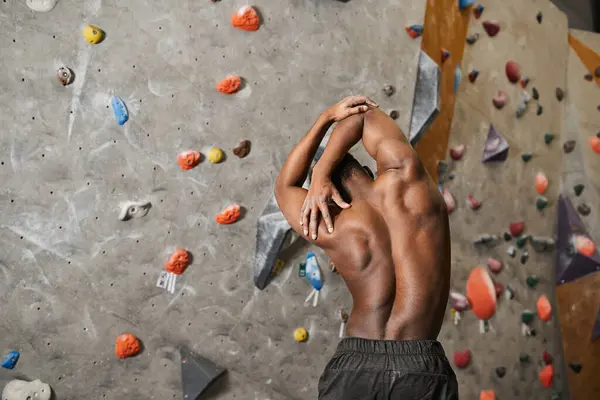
x=539 y=17
x=532 y=281
x=522 y=241
x=541 y=203
x=575 y=367
x=578 y=189
x=597 y=72
x=523 y=358
x=584 y=209
x=535 y=94
x=526 y=157
x=495 y=148
x=471 y=39
x=394 y=114
x=560 y=94
x=524 y=257
x=588 y=77
x=507 y=236
x=541 y=244
x=548 y=137
x=389 y=90
x=569 y=146
x=485 y=238
x=197 y=374
x=500 y=372
x=571 y=264
x=540 y=109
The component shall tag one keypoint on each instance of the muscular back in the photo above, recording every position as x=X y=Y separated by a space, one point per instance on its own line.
x=392 y=249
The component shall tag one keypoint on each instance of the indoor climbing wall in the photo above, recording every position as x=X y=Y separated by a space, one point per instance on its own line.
x=73 y=276
x=506 y=197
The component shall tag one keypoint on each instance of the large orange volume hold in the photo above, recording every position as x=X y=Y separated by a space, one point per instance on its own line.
x=127 y=346
x=178 y=262
x=229 y=215
x=246 y=18
x=481 y=293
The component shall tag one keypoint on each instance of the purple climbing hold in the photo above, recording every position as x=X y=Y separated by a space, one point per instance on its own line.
x=491 y=27
x=478 y=10
x=473 y=75
x=570 y=264
x=495 y=148
x=445 y=54
x=462 y=4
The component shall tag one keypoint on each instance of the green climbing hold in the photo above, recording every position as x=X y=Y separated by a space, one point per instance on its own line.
x=523 y=358
x=302 y=270
x=548 y=138
x=522 y=241
x=578 y=189
x=556 y=395
x=526 y=317
x=532 y=281
x=541 y=203
x=526 y=157
x=507 y=236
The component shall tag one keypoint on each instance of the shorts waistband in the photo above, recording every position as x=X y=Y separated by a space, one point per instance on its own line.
x=397 y=347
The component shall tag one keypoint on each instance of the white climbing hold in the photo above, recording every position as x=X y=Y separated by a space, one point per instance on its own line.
x=22 y=390
x=134 y=209
x=41 y=5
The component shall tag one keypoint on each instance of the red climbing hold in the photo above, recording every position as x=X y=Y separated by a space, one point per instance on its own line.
x=546 y=376
x=499 y=289
x=494 y=265
x=457 y=152
x=450 y=203
x=178 y=262
x=246 y=18
x=516 y=228
x=481 y=293
x=462 y=358
x=188 y=159
x=595 y=144
x=487 y=395
x=230 y=84
x=544 y=308
x=473 y=203
x=547 y=358
x=491 y=27
x=513 y=71
x=499 y=100
x=229 y=215
x=127 y=345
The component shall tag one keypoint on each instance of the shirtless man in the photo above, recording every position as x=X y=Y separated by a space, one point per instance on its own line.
x=391 y=245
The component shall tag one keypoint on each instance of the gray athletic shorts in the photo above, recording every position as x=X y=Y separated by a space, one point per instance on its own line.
x=386 y=369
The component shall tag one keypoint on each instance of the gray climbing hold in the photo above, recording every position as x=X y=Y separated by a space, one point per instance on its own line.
x=521 y=108
x=197 y=374
x=571 y=265
x=495 y=148
x=426 y=101
x=541 y=244
x=134 y=209
x=486 y=238
x=568 y=146
x=41 y=5
x=65 y=75
x=389 y=90
x=23 y=390
x=584 y=209
x=511 y=251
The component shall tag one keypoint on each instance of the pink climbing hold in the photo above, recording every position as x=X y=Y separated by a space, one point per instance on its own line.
x=547 y=358
x=457 y=152
x=462 y=358
x=499 y=288
x=458 y=301
x=513 y=71
x=450 y=203
x=491 y=27
x=494 y=265
x=499 y=100
x=473 y=203
x=516 y=228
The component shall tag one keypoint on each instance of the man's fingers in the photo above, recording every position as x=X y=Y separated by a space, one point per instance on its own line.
x=326 y=216
x=372 y=103
x=314 y=222
x=356 y=100
x=339 y=201
x=305 y=216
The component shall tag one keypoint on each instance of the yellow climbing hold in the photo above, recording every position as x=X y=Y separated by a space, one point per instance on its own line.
x=93 y=34
x=215 y=155
x=300 y=335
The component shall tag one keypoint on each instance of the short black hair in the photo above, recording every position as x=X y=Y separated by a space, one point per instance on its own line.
x=344 y=171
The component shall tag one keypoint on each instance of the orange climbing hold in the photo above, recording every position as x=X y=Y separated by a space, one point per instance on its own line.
x=230 y=84
x=541 y=183
x=229 y=215
x=584 y=245
x=487 y=395
x=246 y=18
x=481 y=293
x=178 y=262
x=546 y=376
x=595 y=144
x=127 y=346
x=544 y=308
x=188 y=159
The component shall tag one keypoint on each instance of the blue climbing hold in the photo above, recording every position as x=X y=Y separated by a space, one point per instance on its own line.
x=478 y=10
x=457 y=78
x=120 y=110
x=10 y=360
x=313 y=273
x=462 y=4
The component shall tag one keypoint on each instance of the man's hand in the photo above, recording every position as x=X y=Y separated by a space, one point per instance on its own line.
x=321 y=193
x=350 y=106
